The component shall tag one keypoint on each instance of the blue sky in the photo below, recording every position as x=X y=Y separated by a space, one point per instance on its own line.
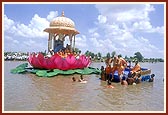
x=124 y=28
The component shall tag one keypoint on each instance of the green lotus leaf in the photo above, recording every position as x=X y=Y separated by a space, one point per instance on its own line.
x=51 y=73
x=41 y=73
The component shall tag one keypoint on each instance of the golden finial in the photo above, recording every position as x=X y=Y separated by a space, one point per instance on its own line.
x=62 y=13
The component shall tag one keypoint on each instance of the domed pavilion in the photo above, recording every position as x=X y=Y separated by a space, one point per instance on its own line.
x=59 y=28
x=62 y=58
x=61 y=61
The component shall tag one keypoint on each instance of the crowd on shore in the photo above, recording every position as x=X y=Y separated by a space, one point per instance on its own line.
x=16 y=56
x=24 y=56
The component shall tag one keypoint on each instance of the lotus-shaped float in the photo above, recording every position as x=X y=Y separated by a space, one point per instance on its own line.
x=57 y=62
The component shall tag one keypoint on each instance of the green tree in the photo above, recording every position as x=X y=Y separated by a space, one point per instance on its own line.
x=113 y=54
x=96 y=56
x=138 y=56
x=92 y=54
x=108 y=55
x=126 y=57
x=76 y=50
x=99 y=55
x=119 y=55
x=87 y=53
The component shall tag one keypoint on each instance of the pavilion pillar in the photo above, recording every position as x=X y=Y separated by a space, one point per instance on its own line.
x=74 y=43
x=70 y=38
x=52 y=42
x=49 y=42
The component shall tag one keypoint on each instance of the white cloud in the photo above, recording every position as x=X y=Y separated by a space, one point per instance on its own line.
x=95 y=42
x=142 y=25
x=146 y=27
x=38 y=23
x=81 y=42
x=33 y=30
x=52 y=15
x=125 y=12
x=102 y=19
x=16 y=41
x=159 y=30
x=29 y=35
x=29 y=43
x=144 y=40
x=124 y=29
x=9 y=38
x=8 y=23
x=92 y=30
x=96 y=35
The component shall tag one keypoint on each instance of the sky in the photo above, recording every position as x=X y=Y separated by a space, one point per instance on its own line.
x=125 y=28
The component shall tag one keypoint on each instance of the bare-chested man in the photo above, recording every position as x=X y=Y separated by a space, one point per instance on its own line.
x=115 y=66
x=136 y=68
x=122 y=65
x=108 y=61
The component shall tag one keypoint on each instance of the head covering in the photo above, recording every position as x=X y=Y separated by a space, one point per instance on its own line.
x=153 y=75
x=123 y=78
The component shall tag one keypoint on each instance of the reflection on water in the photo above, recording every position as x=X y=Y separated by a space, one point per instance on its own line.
x=27 y=92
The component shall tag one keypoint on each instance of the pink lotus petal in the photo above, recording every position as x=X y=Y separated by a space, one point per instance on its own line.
x=70 y=59
x=57 y=62
x=65 y=65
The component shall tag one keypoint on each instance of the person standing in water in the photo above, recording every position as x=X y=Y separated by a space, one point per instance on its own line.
x=123 y=80
x=122 y=64
x=103 y=75
x=73 y=79
x=152 y=78
x=136 y=68
x=115 y=66
x=81 y=80
x=109 y=84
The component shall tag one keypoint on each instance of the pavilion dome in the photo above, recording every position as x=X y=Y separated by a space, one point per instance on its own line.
x=62 y=24
x=62 y=21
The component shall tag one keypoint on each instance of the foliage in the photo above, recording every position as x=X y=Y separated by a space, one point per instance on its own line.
x=99 y=55
x=77 y=50
x=119 y=55
x=113 y=54
x=138 y=56
x=108 y=55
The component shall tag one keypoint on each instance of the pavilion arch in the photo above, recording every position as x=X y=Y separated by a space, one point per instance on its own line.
x=60 y=28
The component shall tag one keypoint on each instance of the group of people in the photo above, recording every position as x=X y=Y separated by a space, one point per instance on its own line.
x=116 y=64
x=64 y=52
x=134 y=79
x=81 y=79
x=119 y=64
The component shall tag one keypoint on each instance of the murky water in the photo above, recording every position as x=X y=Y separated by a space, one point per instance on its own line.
x=27 y=92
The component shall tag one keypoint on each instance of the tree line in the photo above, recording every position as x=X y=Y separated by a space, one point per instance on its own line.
x=136 y=57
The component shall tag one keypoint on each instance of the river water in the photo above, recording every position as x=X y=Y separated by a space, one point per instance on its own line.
x=27 y=92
